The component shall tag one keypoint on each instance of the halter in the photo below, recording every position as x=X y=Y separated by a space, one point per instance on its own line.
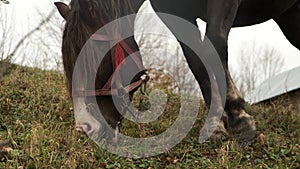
x=118 y=57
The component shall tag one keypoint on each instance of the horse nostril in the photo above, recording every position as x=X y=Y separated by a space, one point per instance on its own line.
x=88 y=127
x=85 y=127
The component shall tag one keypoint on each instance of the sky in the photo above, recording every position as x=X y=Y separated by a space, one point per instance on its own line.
x=25 y=16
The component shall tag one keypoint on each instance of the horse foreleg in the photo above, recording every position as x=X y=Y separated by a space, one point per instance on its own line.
x=193 y=52
x=214 y=127
x=220 y=18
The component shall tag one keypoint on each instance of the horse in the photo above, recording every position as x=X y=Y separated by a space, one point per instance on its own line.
x=78 y=29
x=84 y=16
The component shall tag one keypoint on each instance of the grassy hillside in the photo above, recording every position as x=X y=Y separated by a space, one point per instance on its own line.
x=37 y=119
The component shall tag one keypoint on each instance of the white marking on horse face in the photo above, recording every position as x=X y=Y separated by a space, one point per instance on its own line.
x=115 y=138
x=88 y=128
x=84 y=120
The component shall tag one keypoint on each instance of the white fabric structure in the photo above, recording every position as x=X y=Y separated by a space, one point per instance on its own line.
x=280 y=84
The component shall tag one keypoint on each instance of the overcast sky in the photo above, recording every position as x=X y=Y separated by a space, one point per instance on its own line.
x=25 y=15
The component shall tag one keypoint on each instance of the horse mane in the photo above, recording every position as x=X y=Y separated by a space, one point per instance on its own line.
x=79 y=28
x=113 y=9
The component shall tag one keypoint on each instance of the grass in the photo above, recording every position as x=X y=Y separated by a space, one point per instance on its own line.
x=36 y=117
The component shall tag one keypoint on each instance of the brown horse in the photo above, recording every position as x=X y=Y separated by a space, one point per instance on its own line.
x=80 y=26
x=84 y=18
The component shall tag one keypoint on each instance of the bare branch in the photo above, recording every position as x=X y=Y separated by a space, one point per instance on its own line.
x=5 y=1
x=6 y=29
x=258 y=64
x=30 y=33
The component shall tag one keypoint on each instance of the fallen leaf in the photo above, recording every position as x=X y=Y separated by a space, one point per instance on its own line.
x=7 y=149
x=261 y=139
x=175 y=161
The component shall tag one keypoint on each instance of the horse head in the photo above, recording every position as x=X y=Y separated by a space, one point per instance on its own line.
x=82 y=20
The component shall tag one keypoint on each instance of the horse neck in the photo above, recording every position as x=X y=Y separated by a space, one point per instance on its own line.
x=128 y=23
x=134 y=8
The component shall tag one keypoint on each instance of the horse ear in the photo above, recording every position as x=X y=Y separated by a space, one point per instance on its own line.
x=63 y=9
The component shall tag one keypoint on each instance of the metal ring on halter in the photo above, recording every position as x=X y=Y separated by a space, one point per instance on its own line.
x=145 y=78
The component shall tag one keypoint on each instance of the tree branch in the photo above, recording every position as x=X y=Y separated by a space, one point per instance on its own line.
x=30 y=33
x=5 y=1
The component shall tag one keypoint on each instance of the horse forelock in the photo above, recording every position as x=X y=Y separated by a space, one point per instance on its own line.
x=106 y=10
x=77 y=30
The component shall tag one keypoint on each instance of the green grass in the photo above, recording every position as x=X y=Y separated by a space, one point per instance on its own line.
x=36 y=117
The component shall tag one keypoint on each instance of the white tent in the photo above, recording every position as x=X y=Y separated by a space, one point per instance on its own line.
x=280 y=84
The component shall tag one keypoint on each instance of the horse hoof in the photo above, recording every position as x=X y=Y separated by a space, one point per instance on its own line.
x=245 y=133
x=246 y=138
x=219 y=134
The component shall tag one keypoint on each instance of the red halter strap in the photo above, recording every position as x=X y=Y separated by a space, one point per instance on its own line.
x=119 y=57
x=123 y=45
